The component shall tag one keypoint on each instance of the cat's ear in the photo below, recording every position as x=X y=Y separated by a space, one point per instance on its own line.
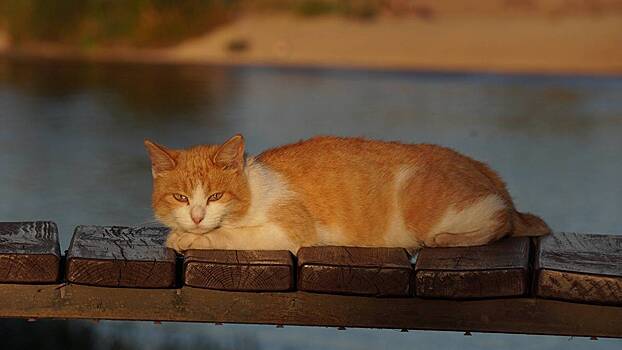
x=230 y=155
x=162 y=159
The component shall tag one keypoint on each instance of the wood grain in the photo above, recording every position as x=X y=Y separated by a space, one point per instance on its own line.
x=354 y=270
x=29 y=252
x=120 y=257
x=579 y=287
x=239 y=270
x=499 y=269
x=586 y=253
x=514 y=315
x=580 y=267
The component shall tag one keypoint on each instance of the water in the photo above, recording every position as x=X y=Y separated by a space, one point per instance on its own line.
x=71 y=151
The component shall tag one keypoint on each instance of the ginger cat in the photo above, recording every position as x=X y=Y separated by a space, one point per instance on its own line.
x=330 y=191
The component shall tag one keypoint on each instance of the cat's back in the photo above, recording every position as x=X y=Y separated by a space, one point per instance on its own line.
x=333 y=152
x=354 y=167
x=329 y=169
x=330 y=153
x=353 y=185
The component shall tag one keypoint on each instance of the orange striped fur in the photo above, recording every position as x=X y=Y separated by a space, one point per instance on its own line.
x=331 y=191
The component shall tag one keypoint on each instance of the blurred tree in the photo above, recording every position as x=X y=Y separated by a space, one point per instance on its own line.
x=88 y=23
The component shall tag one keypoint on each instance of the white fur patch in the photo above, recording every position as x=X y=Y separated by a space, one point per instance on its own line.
x=267 y=188
x=479 y=216
x=254 y=230
x=266 y=237
x=397 y=234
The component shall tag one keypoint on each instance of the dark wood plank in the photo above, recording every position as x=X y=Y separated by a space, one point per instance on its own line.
x=29 y=252
x=354 y=270
x=513 y=315
x=585 y=253
x=120 y=257
x=580 y=267
x=239 y=270
x=499 y=269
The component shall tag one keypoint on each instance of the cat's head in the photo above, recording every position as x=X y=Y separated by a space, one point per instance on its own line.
x=197 y=189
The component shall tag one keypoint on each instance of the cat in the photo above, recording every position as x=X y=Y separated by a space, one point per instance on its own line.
x=330 y=191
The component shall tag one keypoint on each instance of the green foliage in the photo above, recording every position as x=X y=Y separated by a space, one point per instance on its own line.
x=92 y=22
x=316 y=7
x=146 y=23
x=351 y=8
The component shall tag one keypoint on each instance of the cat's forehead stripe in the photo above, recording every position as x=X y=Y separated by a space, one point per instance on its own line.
x=198 y=193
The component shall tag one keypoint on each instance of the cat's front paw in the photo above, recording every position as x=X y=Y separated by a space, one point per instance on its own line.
x=185 y=241
x=171 y=240
x=192 y=241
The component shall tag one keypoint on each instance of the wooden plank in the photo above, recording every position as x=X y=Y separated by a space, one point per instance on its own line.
x=354 y=270
x=120 y=257
x=513 y=315
x=29 y=252
x=580 y=267
x=239 y=270
x=500 y=269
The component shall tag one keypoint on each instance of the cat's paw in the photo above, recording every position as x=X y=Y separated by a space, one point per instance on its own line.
x=185 y=241
x=171 y=241
x=192 y=241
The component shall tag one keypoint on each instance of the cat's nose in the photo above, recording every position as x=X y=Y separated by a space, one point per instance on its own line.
x=197 y=214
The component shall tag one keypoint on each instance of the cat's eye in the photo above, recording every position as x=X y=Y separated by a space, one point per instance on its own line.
x=180 y=197
x=214 y=197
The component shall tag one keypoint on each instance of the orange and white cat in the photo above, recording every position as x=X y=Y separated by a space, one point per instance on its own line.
x=330 y=191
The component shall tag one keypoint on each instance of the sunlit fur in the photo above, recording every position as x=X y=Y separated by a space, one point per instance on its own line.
x=332 y=191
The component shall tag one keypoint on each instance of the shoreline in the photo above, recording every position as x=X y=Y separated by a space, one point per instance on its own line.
x=572 y=45
x=107 y=60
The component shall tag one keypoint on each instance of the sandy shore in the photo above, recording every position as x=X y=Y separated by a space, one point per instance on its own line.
x=569 y=44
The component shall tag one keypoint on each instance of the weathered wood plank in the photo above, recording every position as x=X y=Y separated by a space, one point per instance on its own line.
x=239 y=270
x=29 y=252
x=354 y=270
x=500 y=269
x=120 y=257
x=513 y=315
x=580 y=267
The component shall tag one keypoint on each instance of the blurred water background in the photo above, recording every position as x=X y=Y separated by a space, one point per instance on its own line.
x=71 y=151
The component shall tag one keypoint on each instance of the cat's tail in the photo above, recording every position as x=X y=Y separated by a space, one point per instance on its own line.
x=526 y=224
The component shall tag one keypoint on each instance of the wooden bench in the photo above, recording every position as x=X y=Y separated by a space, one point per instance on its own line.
x=497 y=270
x=580 y=268
x=120 y=257
x=233 y=270
x=127 y=274
x=356 y=271
x=29 y=252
